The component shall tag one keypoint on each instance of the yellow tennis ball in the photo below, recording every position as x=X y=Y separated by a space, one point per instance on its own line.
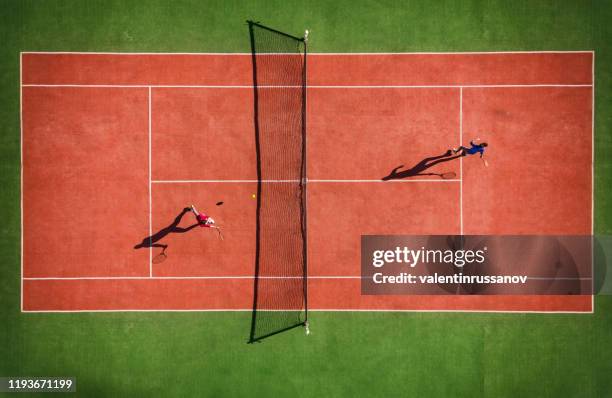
x=253 y=196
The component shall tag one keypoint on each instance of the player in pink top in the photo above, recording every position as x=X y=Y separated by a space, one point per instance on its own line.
x=205 y=221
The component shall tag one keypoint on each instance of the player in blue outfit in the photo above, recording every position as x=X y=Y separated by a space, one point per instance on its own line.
x=474 y=149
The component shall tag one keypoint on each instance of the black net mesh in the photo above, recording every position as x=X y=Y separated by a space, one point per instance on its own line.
x=279 y=76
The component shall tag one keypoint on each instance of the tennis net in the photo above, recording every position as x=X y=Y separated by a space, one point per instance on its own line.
x=279 y=77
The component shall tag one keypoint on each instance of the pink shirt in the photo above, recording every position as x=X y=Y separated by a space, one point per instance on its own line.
x=202 y=220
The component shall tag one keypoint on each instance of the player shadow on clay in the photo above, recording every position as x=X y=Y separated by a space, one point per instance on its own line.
x=419 y=168
x=152 y=241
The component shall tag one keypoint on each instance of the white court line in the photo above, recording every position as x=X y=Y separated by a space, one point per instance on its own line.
x=535 y=52
x=148 y=278
x=454 y=86
x=154 y=85
x=461 y=162
x=220 y=181
x=459 y=311
x=21 y=168
x=592 y=174
x=79 y=278
x=250 y=87
x=242 y=277
x=320 y=310
x=294 y=181
x=150 y=194
x=390 y=181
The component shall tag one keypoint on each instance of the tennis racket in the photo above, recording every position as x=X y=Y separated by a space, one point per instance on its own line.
x=219 y=231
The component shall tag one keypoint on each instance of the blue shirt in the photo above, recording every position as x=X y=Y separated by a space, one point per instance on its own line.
x=475 y=149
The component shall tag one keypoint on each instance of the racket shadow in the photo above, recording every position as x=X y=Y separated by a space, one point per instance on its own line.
x=160 y=258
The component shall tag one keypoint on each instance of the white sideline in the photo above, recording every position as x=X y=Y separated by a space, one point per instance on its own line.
x=250 y=87
x=318 y=54
x=319 y=310
x=21 y=171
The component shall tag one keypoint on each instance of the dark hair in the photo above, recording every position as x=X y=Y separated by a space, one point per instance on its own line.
x=483 y=144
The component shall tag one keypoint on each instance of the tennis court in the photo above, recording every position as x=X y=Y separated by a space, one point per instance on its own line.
x=116 y=144
x=116 y=116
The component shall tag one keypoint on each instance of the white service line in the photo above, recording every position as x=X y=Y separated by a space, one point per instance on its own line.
x=451 y=86
x=220 y=181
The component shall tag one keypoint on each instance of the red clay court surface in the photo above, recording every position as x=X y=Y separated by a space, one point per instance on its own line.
x=115 y=145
